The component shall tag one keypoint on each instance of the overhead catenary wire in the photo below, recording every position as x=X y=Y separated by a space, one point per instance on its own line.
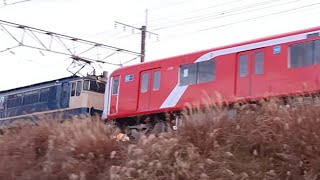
x=288 y=11
x=193 y=11
x=218 y=15
x=227 y=13
x=150 y=20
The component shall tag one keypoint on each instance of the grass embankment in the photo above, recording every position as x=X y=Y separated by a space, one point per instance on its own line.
x=269 y=143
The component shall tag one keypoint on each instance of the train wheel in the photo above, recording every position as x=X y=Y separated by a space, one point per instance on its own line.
x=159 y=127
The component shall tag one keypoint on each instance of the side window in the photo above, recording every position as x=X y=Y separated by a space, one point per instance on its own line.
x=115 y=86
x=188 y=74
x=44 y=95
x=14 y=100
x=78 y=90
x=317 y=52
x=156 y=80
x=243 y=65
x=206 y=71
x=304 y=54
x=2 y=102
x=258 y=63
x=144 y=83
x=73 y=89
x=31 y=97
x=102 y=87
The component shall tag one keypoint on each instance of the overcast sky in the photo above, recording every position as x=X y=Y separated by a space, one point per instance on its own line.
x=183 y=26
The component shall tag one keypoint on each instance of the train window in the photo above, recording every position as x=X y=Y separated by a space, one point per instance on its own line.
x=73 y=89
x=10 y=103
x=206 y=71
x=86 y=85
x=258 y=63
x=312 y=35
x=93 y=86
x=144 y=83
x=30 y=97
x=188 y=74
x=78 y=90
x=317 y=52
x=243 y=65
x=101 y=87
x=156 y=80
x=303 y=54
x=44 y=95
x=115 y=86
x=2 y=102
x=14 y=100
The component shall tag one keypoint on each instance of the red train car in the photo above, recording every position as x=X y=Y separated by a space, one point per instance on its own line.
x=279 y=65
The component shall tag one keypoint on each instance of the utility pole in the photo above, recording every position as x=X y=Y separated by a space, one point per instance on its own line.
x=143 y=42
x=144 y=32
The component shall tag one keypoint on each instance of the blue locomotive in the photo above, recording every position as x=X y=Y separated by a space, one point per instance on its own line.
x=61 y=98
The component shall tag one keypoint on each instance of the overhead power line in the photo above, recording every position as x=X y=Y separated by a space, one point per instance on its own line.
x=194 y=19
x=292 y=10
x=194 y=11
x=5 y=3
x=223 y=14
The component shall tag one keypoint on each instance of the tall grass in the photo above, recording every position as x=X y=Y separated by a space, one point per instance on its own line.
x=267 y=142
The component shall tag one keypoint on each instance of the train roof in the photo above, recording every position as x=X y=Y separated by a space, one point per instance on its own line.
x=225 y=46
x=45 y=83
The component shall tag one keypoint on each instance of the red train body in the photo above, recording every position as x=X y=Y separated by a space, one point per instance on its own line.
x=273 y=66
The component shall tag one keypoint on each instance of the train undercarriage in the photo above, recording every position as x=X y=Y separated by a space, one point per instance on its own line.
x=134 y=127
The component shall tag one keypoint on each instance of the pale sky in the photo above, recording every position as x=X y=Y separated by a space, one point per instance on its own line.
x=183 y=26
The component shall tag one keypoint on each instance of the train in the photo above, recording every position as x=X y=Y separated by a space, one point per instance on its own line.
x=62 y=98
x=143 y=97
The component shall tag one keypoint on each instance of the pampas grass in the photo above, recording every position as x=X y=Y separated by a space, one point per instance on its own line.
x=270 y=141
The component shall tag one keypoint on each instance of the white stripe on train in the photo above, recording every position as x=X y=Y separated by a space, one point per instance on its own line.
x=178 y=91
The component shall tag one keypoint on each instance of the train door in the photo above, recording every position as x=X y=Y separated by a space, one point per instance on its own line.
x=65 y=95
x=75 y=95
x=149 y=89
x=114 y=96
x=154 y=90
x=249 y=68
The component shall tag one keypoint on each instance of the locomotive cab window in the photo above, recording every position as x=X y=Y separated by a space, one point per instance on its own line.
x=304 y=54
x=76 y=88
x=73 y=89
x=93 y=86
x=196 y=73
